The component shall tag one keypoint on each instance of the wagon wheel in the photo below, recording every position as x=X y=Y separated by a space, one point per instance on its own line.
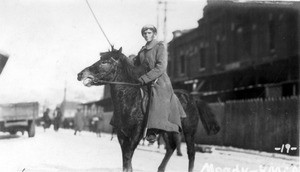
x=31 y=129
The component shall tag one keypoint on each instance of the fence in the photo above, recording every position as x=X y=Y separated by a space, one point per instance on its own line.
x=256 y=124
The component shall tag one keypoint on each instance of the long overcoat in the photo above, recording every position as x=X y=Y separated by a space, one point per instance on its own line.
x=165 y=109
x=79 y=121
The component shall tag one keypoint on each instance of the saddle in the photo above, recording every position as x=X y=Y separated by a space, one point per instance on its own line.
x=145 y=92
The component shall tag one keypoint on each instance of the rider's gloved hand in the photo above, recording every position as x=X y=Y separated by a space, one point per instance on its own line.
x=141 y=81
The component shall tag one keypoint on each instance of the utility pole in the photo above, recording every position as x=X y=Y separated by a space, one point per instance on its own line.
x=65 y=92
x=165 y=23
x=64 y=102
x=164 y=30
x=157 y=17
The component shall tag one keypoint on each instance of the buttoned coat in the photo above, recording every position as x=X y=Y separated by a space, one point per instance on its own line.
x=165 y=108
x=79 y=121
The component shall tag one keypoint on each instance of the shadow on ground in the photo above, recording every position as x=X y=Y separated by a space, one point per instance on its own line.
x=8 y=136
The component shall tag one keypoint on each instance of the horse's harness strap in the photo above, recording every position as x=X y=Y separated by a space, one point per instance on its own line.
x=116 y=82
x=122 y=83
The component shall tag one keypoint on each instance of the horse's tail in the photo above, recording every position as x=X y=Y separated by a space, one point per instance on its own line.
x=207 y=117
x=112 y=133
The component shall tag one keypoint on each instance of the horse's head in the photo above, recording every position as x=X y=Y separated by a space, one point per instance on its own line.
x=105 y=69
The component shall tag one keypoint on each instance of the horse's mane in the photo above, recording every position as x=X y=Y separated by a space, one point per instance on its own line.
x=132 y=71
x=129 y=69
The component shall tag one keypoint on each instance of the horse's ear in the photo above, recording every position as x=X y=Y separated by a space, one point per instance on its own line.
x=120 y=50
x=112 y=48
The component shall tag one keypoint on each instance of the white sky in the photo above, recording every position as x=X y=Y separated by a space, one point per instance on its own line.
x=50 y=41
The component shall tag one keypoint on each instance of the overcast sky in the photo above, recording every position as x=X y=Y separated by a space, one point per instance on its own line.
x=50 y=41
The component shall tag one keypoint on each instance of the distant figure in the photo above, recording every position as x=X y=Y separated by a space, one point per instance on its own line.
x=78 y=121
x=57 y=118
x=99 y=125
x=92 y=124
x=46 y=119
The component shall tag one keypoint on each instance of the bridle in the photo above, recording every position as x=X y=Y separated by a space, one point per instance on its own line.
x=115 y=82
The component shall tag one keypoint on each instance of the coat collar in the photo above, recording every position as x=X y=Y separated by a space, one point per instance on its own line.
x=150 y=45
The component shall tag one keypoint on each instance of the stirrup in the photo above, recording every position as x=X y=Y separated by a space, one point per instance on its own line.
x=151 y=138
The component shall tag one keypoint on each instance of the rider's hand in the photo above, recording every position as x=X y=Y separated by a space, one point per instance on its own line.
x=141 y=81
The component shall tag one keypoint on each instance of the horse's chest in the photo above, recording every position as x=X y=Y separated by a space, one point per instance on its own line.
x=129 y=104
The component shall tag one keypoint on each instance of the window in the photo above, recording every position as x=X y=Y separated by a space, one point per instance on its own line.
x=218 y=51
x=202 y=58
x=169 y=68
x=271 y=35
x=247 y=36
x=182 y=64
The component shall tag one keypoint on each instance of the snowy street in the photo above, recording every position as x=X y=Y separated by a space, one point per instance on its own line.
x=62 y=151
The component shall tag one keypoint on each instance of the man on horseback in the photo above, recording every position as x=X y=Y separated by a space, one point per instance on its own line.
x=165 y=109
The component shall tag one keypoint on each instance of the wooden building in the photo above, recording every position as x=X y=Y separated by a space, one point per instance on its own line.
x=239 y=51
x=102 y=108
x=69 y=108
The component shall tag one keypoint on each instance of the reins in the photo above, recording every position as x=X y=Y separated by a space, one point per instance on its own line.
x=117 y=83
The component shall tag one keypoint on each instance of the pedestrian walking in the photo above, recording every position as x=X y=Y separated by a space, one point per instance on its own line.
x=46 y=119
x=57 y=118
x=99 y=124
x=78 y=121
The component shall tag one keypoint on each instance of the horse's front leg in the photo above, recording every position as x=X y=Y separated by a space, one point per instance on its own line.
x=128 y=146
x=127 y=156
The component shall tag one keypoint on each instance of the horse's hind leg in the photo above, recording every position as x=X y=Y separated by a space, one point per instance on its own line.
x=178 y=148
x=190 y=142
x=170 y=141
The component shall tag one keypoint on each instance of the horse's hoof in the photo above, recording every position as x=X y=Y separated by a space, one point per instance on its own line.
x=179 y=154
x=161 y=170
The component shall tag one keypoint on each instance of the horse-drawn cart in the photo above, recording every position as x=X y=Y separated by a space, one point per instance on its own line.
x=19 y=117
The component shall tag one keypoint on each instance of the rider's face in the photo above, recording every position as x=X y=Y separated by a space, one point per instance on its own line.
x=148 y=35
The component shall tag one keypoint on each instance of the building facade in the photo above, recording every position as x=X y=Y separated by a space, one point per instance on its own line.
x=239 y=51
x=102 y=108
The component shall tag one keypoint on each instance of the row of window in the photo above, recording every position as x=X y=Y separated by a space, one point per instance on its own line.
x=243 y=41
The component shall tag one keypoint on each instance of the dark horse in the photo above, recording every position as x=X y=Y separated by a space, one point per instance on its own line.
x=116 y=69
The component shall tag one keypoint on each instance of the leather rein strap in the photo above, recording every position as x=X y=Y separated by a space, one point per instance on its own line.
x=117 y=83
